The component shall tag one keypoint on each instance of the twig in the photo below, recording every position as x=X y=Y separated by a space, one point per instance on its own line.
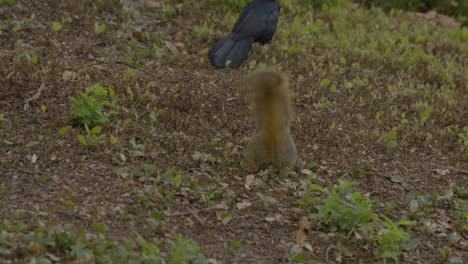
x=37 y=93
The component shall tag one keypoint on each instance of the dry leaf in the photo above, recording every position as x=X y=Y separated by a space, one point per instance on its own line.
x=249 y=179
x=449 y=193
x=171 y=47
x=243 y=204
x=68 y=75
x=413 y=206
x=300 y=237
x=35 y=248
x=226 y=220
x=441 y=171
x=34 y=158
x=222 y=205
x=308 y=246
x=305 y=224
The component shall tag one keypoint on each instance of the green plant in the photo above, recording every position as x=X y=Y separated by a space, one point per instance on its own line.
x=54 y=243
x=92 y=136
x=184 y=251
x=349 y=212
x=91 y=107
x=339 y=208
x=390 y=240
x=464 y=138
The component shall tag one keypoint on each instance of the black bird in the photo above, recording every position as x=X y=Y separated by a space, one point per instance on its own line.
x=257 y=23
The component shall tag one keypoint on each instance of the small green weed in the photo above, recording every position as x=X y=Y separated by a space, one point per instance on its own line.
x=340 y=208
x=53 y=243
x=90 y=108
x=350 y=213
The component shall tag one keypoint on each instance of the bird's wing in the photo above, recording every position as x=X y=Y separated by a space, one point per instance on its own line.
x=254 y=19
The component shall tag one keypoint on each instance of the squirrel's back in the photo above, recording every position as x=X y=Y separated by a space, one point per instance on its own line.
x=271 y=101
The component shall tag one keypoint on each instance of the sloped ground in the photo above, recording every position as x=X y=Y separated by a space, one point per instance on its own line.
x=380 y=98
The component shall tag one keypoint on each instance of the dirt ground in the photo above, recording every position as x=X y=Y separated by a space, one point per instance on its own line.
x=201 y=135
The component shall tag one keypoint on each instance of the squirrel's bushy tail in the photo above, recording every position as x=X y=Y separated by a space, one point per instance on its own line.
x=229 y=52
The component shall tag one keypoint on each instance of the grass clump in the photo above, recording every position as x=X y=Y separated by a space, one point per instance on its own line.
x=51 y=243
x=91 y=108
x=349 y=213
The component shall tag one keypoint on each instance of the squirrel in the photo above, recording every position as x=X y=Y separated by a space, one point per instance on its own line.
x=271 y=143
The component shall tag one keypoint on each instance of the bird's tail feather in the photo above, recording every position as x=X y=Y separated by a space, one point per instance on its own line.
x=228 y=52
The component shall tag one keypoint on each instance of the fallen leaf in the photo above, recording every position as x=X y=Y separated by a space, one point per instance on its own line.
x=398 y=179
x=300 y=237
x=449 y=193
x=305 y=224
x=249 y=179
x=35 y=248
x=226 y=220
x=34 y=158
x=68 y=75
x=413 y=206
x=171 y=47
x=243 y=204
x=222 y=205
x=308 y=246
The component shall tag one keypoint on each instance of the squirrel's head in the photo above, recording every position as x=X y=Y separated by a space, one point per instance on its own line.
x=268 y=78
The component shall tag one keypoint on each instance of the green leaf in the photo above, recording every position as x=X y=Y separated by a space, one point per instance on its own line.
x=426 y=113
x=127 y=122
x=82 y=140
x=113 y=140
x=138 y=154
x=64 y=130
x=56 y=26
x=177 y=180
x=99 y=27
x=391 y=134
x=156 y=214
x=68 y=203
x=33 y=60
x=325 y=82
x=9 y=75
x=348 y=84
x=315 y=187
x=235 y=244
x=96 y=130
x=31 y=143
x=405 y=223
x=311 y=164
x=299 y=256
x=100 y=228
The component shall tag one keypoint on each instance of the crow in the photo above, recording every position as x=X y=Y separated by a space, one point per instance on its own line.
x=257 y=23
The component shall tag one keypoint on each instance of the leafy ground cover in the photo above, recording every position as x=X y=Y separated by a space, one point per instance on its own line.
x=120 y=142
